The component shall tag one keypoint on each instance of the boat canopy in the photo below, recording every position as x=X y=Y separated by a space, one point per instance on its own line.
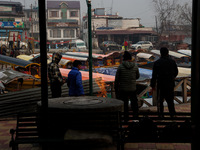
x=144 y=55
x=9 y=75
x=85 y=75
x=64 y=62
x=185 y=52
x=72 y=58
x=171 y=53
x=78 y=54
x=16 y=62
x=25 y=57
x=145 y=74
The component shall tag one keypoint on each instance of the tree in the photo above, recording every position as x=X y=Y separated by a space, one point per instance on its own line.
x=172 y=18
x=184 y=17
x=166 y=14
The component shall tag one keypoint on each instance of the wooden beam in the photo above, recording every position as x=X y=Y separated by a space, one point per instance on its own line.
x=147 y=103
x=144 y=91
x=179 y=84
x=176 y=99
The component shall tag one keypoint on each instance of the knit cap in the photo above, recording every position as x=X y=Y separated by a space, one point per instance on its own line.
x=127 y=56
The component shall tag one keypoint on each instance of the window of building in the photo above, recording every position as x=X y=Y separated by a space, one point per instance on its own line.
x=64 y=15
x=56 y=33
x=71 y=33
x=65 y=33
x=13 y=9
x=73 y=13
x=85 y=25
x=51 y=33
x=35 y=28
x=68 y=33
x=54 y=14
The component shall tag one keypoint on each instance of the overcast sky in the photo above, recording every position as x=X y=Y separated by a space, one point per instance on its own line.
x=142 y=9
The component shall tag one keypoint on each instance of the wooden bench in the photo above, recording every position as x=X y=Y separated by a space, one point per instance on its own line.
x=150 y=128
x=26 y=130
x=106 y=127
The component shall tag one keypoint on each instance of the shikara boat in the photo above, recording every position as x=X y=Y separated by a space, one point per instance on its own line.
x=25 y=67
x=14 y=80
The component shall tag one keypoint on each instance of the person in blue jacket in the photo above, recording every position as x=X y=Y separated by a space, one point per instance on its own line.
x=74 y=81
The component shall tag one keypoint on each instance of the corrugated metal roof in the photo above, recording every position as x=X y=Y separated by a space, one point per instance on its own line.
x=102 y=32
x=56 y=4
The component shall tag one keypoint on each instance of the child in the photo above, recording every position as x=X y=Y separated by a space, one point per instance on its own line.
x=75 y=80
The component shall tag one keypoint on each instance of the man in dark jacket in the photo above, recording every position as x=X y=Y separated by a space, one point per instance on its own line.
x=164 y=73
x=55 y=77
x=125 y=83
x=74 y=80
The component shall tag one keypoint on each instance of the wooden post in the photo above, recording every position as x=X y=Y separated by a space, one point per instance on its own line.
x=184 y=90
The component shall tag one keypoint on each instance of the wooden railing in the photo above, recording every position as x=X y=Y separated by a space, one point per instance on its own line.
x=183 y=82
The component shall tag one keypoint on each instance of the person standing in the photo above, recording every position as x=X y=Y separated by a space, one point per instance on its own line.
x=55 y=77
x=164 y=73
x=126 y=45
x=125 y=83
x=74 y=81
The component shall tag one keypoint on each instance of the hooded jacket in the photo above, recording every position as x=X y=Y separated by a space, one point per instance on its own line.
x=126 y=75
x=74 y=82
x=53 y=69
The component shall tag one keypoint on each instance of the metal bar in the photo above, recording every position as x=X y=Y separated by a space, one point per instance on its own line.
x=195 y=74
x=90 y=45
x=43 y=55
x=43 y=59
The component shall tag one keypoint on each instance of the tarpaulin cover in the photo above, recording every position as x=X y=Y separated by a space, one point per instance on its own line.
x=108 y=74
x=9 y=75
x=85 y=75
x=144 y=73
x=2 y=86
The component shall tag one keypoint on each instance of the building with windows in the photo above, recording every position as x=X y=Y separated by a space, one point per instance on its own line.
x=115 y=28
x=31 y=21
x=11 y=19
x=63 y=21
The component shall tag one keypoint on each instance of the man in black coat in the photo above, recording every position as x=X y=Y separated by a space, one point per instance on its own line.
x=164 y=73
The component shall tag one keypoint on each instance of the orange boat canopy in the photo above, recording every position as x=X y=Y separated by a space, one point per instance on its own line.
x=85 y=75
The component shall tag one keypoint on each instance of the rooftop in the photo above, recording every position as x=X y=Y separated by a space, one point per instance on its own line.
x=119 y=31
x=9 y=3
x=56 y=4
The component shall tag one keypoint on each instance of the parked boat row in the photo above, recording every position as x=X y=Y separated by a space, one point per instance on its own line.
x=104 y=65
